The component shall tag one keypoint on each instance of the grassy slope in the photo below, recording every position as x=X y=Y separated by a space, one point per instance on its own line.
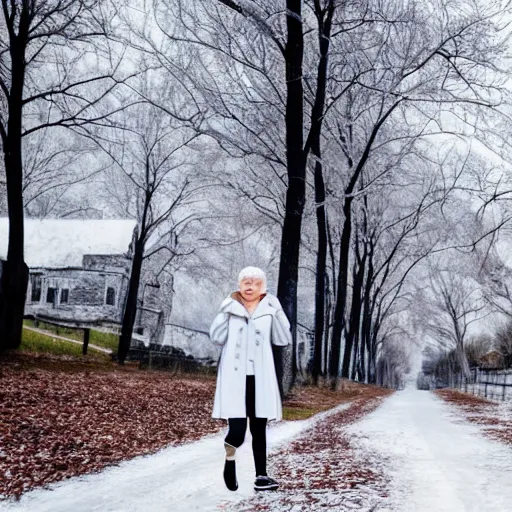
x=43 y=344
x=102 y=339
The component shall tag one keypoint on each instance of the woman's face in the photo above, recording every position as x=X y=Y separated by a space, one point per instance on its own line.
x=251 y=289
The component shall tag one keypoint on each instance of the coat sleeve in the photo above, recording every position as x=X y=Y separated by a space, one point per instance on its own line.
x=220 y=326
x=281 y=329
x=219 y=329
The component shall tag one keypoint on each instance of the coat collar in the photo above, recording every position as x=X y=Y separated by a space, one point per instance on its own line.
x=237 y=308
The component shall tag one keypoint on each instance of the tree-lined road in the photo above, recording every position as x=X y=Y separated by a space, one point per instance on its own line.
x=437 y=461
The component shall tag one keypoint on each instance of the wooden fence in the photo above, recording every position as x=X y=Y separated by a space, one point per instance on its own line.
x=492 y=384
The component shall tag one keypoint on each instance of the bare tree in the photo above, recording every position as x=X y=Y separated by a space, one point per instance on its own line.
x=58 y=167
x=47 y=79
x=393 y=364
x=398 y=223
x=495 y=275
x=457 y=303
x=252 y=80
x=324 y=13
x=398 y=67
x=503 y=343
x=151 y=180
x=394 y=249
x=431 y=71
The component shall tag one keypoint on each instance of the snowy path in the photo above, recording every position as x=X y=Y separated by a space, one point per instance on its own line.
x=439 y=462
x=184 y=478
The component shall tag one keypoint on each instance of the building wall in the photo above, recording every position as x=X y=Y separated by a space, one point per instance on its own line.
x=107 y=263
x=151 y=321
x=492 y=360
x=87 y=294
x=87 y=288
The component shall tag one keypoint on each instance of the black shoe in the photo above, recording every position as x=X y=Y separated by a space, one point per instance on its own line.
x=230 y=475
x=265 y=483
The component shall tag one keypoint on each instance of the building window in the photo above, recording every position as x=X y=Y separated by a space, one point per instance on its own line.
x=35 y=280
x=50 y=295
x=111 y=297
x=64 y=296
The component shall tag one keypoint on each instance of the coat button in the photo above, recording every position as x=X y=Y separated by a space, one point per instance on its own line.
x=237 y=356
x=257 y=342
x=236 y=368
x=258 y=331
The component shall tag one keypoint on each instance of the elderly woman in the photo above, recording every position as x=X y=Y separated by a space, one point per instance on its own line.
x=249 y=321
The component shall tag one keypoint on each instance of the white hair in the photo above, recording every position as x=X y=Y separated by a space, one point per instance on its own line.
x=253 y=273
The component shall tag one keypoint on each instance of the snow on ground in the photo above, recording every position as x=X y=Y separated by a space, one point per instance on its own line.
x=437 y=463
x=434 y=460
x=322 y=471
x=495 y=419
x=184 y=478
x=504 y=413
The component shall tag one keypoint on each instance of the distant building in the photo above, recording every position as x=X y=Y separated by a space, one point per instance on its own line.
x=79 y=274
x=492 y=359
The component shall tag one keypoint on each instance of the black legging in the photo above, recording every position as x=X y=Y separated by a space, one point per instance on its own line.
x=238 y=427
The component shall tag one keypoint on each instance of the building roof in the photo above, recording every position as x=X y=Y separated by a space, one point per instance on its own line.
x=491 y=353
x=57 y=243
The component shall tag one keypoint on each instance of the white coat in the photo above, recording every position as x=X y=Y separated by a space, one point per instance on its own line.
x=234 y=329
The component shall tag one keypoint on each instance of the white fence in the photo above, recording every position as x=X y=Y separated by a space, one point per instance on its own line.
x=490 y=384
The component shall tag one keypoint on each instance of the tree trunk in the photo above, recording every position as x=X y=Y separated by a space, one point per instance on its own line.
x=130 y=310
x=367 y=319
x=351 y=343
x=329 y=314
x=341 y=298
x=355 y=320
x=15 y=271
x=286 y=364
x=324 y=32
x=327 y=323
x=361 y=368
x=372 y=366
x=321 y=266
x=463 y=360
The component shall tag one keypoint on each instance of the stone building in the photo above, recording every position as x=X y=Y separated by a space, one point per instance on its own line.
x=79 y=274
x=493 y=359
